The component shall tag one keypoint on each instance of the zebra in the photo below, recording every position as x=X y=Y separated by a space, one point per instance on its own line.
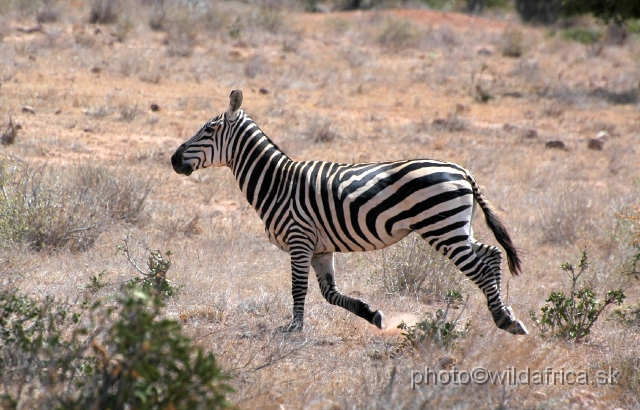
x=312 y=209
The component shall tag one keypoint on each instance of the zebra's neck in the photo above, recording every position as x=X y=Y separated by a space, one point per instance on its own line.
x=258 y=165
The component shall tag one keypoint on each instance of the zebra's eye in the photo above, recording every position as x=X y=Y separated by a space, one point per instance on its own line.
x=210 y=126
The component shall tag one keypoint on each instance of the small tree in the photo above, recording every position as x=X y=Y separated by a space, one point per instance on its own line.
x=539 y=11
x=155 y=278
x=572 y=316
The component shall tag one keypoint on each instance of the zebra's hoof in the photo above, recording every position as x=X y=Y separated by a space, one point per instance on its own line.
x=518 y=328
x=294 y=326
x=378 y=319
x=513 y=325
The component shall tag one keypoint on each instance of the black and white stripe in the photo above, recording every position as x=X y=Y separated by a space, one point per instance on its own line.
x=312 y=209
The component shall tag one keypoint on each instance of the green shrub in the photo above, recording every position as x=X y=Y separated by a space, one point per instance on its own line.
x=582 y=35
x=441 y=328
x=440 y=4
x=573 y=316
x=96 y=282
x=154 y=279
x=633 y=26
x=497 y=4
x=121 y=354
x=235 y=28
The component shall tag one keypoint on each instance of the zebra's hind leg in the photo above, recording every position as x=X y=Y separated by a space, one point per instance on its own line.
x=492 y=258
x=481 y=269
x=323 y=266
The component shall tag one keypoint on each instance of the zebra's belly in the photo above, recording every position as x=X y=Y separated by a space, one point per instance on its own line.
x=337 y=244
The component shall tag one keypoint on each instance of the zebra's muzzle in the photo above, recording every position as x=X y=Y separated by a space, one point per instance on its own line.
x=178 y=164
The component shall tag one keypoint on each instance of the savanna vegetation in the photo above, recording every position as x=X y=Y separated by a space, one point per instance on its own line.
x=125 y=284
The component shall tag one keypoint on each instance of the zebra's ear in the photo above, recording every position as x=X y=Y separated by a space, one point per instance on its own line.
x=235 y=101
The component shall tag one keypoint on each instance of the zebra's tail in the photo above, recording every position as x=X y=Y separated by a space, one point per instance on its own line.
x=497 y=227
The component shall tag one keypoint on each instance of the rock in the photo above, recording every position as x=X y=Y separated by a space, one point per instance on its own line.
x=95 y=70
x=595 y=144
x=263 y=90
x=508 y=127
x=513 y=94
x=154 y=107
x=555 y=144
x=602 y=135
x=530 y=134
x=460 y=108
x=29 y=109
x=30 y=29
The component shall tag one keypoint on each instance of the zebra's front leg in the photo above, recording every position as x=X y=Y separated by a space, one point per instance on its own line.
x=323 y=266
x=300 y=258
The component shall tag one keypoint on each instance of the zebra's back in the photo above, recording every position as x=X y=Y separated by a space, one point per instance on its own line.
x=361 y=207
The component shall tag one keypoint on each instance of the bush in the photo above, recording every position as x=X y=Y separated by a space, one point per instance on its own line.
x=413 y=267
x=8 y=135
x=154 y=279
x=49 y=12
x=121 y=194
x=397 y=34
x=512 y=42
x=269 y=19
x=628 y=315
x=573 y=316
x=440 y=4
x=49 y=208
x=104 y=11
x=584 y=36
x=539 y=11
x=61 y=355
x=631 y=216
x=633 y=26
x=440 y=328
x=182 y=34
x=44 y=212
x=606 y=10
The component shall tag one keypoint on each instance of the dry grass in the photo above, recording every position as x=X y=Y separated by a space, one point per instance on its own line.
x=412 y=267
x=339 y=86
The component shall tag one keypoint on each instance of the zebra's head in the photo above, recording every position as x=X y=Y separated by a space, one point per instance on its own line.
x=208 y=147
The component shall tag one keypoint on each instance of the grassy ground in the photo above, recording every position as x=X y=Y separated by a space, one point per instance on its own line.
x=348 y=87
